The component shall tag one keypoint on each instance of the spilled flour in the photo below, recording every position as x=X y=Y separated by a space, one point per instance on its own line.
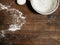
x=17 y=20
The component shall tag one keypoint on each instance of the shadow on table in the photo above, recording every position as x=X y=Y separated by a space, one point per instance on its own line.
x=30 y=7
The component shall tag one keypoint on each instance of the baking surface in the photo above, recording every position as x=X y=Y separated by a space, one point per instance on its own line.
x=38 y=29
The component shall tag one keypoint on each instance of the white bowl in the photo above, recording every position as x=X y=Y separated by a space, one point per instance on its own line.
x=43 y=7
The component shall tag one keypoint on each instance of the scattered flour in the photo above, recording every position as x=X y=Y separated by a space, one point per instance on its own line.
x=18 y=19
x=2 y=33
x=2 y=7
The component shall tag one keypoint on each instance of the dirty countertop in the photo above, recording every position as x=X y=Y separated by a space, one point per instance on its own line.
x=38 y=29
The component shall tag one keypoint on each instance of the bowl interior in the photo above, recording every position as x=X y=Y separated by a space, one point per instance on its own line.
x=38 y=6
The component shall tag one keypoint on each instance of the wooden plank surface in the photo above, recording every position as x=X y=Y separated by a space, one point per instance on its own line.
x=38 y=29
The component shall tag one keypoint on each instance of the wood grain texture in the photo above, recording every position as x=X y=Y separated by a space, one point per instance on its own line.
x=38 y=29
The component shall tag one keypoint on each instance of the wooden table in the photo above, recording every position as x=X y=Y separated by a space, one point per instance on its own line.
x=38 y=29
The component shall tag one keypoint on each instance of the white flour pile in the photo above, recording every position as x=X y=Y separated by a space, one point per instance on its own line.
x=17 y=21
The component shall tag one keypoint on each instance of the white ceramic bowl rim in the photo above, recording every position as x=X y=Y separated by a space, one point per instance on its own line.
x=57 y=5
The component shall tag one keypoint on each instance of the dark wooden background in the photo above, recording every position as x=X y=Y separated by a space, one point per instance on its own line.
x=38 y=29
